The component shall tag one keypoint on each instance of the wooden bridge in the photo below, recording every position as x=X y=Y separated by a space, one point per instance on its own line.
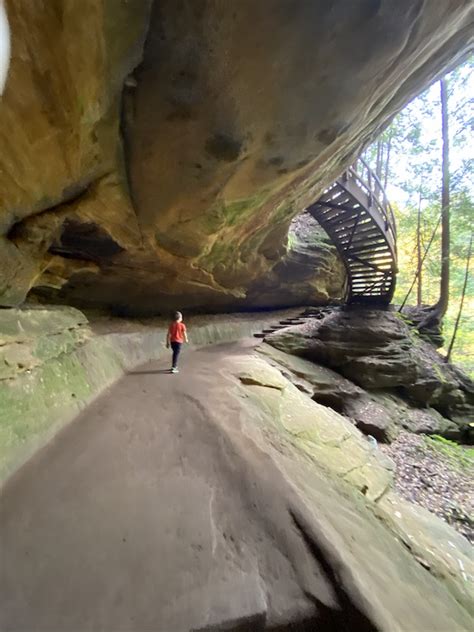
x=357 y=216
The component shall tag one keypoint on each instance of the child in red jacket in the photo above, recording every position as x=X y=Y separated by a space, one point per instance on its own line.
x=175 y=338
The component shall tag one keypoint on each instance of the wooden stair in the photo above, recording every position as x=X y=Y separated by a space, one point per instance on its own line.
x=355 y=213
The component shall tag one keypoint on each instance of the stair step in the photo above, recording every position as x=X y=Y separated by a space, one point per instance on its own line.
x=348 y=221
x=364 y=261
x=365 y=268
x=379 y=282
x=369 y=284
x=368 y=272
x=367 y=275
x=361 y=235
x=341 y=203
x=365 y=229
x=377 y=247
x=335 y=195
x=374 y=261
x=366 y=280
x=348 y=214
x=259 y=335
x=361 y=240
x=336 y=215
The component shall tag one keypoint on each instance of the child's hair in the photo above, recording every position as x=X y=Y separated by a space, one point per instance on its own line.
x=178 y=315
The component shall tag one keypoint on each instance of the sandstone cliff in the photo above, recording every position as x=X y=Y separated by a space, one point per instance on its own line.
x=155 y=152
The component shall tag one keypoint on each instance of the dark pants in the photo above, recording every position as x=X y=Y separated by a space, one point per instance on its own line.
x=176 y=346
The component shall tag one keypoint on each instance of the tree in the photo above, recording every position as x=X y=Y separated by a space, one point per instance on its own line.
x=438 y=311
x=461 y=302
x=419 y=256
x=442 y=304
x=408 y=156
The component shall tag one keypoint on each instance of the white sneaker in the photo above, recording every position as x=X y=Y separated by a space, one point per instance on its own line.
x=174 y=370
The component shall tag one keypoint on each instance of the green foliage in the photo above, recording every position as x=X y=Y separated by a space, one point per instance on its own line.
x=292 y=241
x=460 y=455
x=413 y=175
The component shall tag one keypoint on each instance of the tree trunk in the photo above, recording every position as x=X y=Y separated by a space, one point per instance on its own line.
x=436 y=313
x=378 y=160
x=442 y=304
x=387 y=162
x=461 y=304
x=419 y=262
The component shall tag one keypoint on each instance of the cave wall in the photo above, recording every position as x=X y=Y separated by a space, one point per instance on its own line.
x=154 y=153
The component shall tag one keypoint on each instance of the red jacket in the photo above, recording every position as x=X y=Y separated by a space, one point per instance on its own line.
x=176 y=332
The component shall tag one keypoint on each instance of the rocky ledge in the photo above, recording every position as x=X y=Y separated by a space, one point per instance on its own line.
x=373 y=367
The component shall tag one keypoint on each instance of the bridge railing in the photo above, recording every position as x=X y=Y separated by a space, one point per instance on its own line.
x=366 y=179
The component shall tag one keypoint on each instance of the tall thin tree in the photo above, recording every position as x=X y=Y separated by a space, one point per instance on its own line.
x=419 y=263
x=442 y=304
x=387 y=158
x=461 y=302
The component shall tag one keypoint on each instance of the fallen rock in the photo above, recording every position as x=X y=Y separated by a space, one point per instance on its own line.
x=372 y=418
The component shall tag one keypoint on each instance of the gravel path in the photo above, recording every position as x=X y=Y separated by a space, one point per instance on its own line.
x=433 y=478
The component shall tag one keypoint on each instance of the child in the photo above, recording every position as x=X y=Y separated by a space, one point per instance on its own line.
x=176 y=336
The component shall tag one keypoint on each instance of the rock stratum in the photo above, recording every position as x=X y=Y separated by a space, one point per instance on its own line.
x=156 y=152
x=373 y=367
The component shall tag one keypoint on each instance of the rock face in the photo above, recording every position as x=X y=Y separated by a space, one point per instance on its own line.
x=158 y=153
x=310 y=272
x=392 y=377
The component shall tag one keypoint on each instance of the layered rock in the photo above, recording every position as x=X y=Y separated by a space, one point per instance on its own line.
x=392 y=377
x=234 y=118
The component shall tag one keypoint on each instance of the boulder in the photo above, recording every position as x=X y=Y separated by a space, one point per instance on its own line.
x=372 y=418
x=380 y=413
x=329 y=388
x=378 y=351
x=157 y=154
